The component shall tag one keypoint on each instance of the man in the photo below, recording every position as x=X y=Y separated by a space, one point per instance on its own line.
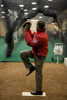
x=39 y=43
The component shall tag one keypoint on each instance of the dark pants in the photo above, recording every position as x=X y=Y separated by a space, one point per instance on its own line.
x=39 y=61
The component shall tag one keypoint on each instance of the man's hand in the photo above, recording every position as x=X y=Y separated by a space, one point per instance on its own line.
x=27 y=25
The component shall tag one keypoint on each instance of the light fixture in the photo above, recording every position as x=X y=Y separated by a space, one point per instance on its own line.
x=26 y=13
x=21 y=5
x=40 y=16
x=3 y=16
x=34 y=8
x=53 y=23
x=2 y=5
x=34 y=3
x=50 y=0
x=46 y=6
x=3 y=12
x=25 y=9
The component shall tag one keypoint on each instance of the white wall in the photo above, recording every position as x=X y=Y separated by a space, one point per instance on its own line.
x=65 y=61
x=33 y=27
x=3 y=28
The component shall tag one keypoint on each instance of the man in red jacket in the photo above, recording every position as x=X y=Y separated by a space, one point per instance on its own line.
x=39 y=43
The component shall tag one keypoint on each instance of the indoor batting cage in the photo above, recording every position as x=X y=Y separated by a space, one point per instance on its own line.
x=33 y=49
x=14 y=13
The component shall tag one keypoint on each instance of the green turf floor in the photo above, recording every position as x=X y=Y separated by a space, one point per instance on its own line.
x=15 y=57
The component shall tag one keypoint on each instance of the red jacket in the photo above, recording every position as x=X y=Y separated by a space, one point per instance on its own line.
x=38 y=41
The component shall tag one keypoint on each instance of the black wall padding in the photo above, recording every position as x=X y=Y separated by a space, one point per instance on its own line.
x=19 y=21
x=46 y=13
x=7 y=17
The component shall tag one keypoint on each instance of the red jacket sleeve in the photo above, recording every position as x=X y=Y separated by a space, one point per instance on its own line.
x=35 y=42
x=32 y=34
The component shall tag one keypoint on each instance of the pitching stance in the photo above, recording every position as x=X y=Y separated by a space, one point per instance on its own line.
x=39 y=43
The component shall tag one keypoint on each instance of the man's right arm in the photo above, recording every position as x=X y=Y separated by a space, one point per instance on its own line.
x=32 y=34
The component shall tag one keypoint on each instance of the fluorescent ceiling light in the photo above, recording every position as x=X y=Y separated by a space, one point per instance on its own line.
x=3 y=16
x=34 y=8
x=40 y=16
x=34 y=3
x=25 y=9
x=46 y=6
x=53 y=23
x=26 y=13
x=50 y=0
x=2 y=5
x=21 y=5
x=3 y=12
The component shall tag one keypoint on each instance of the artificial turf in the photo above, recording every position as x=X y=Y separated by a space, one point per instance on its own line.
x=15 y=57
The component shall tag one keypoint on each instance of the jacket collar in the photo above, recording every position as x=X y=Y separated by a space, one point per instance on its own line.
x=43 y=30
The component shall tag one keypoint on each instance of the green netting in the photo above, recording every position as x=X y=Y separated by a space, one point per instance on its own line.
x=15 y=57
x=53 y=41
